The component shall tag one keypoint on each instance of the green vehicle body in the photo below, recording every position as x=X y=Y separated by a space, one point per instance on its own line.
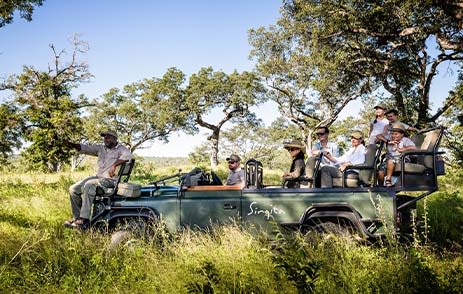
x=369 y=211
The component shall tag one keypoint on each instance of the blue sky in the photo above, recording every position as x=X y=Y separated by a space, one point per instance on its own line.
x=133 y=40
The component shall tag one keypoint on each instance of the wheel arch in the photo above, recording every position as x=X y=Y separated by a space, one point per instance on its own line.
x=118 y=213
x=333 y=212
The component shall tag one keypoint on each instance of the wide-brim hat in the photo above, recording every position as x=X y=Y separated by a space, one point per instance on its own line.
x=295 y=144
x=398 y=127
x=357 y=135
x=110 y=133
x=380 y=106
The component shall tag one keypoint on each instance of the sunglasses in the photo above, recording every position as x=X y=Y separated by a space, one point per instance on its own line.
x=231 y=162
x=320 y=134
x=292 y=149
x=352 y=137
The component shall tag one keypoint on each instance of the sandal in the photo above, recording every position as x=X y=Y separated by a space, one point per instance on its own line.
x=388 y=183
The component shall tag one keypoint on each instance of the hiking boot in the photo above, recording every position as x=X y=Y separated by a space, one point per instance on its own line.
x=81 y=223
x=68 y=223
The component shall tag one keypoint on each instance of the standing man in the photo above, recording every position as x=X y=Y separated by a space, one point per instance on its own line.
x=110 y=155
x=236 y=175
x=393 y=118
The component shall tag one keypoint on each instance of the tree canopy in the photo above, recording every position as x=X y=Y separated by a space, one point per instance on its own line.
x=397 y=46
x=232 y=94
x=142 y=111
x=25 y=8
x=51 y=115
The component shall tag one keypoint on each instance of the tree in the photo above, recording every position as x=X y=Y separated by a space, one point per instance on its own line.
x=398 y=46
x=51 y=115
x=233 y=94
x=11 y=126
x=309 y=91
x=141 y=112
x=259 y=142
x=453 y=118
x=25 y=8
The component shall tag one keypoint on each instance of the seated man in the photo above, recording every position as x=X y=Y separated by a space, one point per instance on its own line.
x=110 y=155
x=395 y=147
x=355 y=155
x=236 y=175
x=322 y=146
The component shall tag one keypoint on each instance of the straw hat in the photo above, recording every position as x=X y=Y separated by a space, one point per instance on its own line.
x=295 y=144
x=398 y=127
x=357 y=135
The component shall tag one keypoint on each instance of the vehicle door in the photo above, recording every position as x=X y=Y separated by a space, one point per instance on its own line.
x=201 y=206
x=269 y=208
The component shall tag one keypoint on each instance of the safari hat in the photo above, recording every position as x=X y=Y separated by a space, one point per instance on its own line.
x=380 y=106
x=233 y=157
x=357 y=135
x=110 y=133
x=398 y=127
x=295 y=144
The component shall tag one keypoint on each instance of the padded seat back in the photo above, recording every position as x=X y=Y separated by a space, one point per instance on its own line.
x=254 y=174
x=430 y=143
x=370 y=160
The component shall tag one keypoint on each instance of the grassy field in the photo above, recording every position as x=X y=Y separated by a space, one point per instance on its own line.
x=39 y=256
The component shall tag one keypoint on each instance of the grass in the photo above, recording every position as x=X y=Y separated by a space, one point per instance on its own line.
x=37 y=255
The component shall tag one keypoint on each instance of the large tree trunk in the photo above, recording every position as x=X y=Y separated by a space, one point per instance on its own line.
x=214 y=141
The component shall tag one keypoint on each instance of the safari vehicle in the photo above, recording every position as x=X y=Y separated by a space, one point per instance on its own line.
x=358 y=204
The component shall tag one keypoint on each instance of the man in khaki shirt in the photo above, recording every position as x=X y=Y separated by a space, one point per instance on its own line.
x=110 y=155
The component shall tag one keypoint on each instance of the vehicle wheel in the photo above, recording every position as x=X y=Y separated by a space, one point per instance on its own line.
x=128 y=230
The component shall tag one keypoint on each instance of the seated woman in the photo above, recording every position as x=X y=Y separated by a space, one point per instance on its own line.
x=297 y=150
x=395 y=147
x=355 y=155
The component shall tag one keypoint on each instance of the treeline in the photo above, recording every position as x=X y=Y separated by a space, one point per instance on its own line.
x=317 y=58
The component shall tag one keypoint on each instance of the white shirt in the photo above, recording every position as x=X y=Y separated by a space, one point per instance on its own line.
x=355 y=155
x=377 y=128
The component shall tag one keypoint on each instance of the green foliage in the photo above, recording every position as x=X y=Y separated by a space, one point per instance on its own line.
x=453 y=118
x=24 y=7
x=38 y=255
x=51 y=114
x=233 y=94
x=11 y=125
x=322 y=54
x=141 y=112
x=200 y=155
x=259 y=142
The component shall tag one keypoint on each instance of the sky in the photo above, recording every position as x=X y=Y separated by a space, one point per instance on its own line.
x=133 y=40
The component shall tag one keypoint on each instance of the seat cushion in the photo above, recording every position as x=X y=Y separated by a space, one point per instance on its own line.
x=352 y=181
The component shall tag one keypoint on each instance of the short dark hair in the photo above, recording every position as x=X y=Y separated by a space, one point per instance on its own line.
x=325 y=129
x=393 y=111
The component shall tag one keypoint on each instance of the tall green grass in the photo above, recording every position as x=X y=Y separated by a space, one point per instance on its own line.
x=37 y=255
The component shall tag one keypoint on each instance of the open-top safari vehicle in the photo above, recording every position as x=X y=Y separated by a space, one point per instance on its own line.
x=358 y=204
